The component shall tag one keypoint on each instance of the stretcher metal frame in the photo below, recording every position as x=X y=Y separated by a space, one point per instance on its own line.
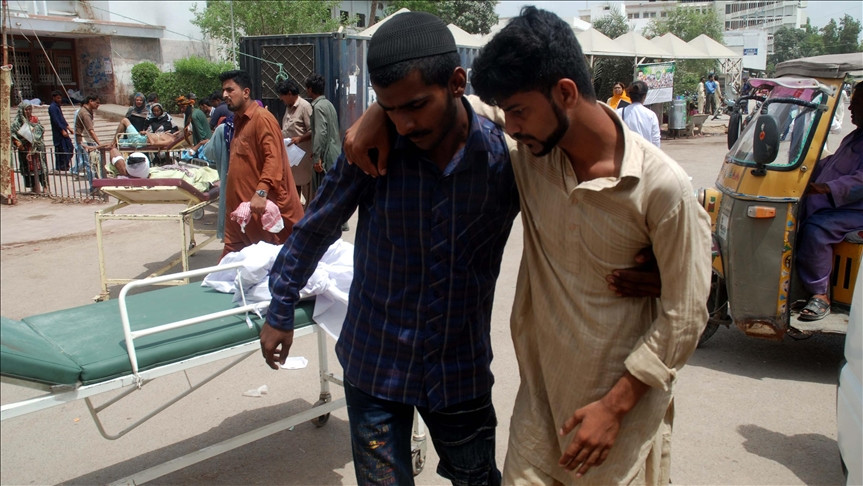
x=58 y=395
x=154 y=191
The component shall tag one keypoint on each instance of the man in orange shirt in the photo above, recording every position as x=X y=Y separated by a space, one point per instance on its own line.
x=258 y=170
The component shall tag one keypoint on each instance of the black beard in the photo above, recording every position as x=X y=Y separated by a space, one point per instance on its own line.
x=558 y=133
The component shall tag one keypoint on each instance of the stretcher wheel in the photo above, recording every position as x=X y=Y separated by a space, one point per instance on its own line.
x=198 y=214
x=321 y=420
x=418 y=459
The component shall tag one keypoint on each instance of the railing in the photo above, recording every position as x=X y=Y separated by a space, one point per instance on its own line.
x=56 y=184
x=64 y=185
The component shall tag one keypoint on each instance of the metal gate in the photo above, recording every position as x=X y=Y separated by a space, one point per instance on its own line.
x=298 y=62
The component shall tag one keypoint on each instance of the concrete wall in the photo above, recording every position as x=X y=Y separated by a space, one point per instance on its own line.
x=127 y=53
x=96 y=68
x=175 y=16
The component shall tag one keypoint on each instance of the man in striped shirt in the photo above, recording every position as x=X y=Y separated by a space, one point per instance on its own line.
x=429 y=243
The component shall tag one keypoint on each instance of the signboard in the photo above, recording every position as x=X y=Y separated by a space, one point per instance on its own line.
x=751 y=44
x=659 y=78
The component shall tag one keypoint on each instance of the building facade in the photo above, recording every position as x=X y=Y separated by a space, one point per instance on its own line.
x=91 y=46
x=767 y=16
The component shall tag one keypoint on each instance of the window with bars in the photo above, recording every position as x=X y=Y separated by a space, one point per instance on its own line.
x=22 y=78
x=297 y=60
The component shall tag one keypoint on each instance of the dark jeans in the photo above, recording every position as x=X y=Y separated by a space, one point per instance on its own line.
x=463 y=436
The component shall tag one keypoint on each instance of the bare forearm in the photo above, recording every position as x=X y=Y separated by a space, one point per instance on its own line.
x=625 y=394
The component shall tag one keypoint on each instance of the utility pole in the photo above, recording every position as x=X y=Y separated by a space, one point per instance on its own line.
x=233 y=40
x=7 y=167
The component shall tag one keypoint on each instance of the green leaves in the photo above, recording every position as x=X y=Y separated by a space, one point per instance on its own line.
x=790 y=43
x=264 y=18
x=144 y=76
x=473 y=16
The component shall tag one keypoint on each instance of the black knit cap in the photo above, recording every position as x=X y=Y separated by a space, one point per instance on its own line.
x=409 y=35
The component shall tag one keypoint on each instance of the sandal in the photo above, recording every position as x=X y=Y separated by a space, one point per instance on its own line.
x=815 y=310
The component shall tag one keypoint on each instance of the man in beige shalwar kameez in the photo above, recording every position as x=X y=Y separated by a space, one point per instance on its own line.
x=595 y=404
x=297 y=125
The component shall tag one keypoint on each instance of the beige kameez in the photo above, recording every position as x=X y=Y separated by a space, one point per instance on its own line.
x=295 y=123
x=573 y=337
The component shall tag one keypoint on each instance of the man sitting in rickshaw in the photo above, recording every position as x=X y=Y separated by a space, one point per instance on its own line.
x=832 y=208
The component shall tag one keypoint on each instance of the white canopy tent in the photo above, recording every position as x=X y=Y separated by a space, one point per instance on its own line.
x=462 y=38
x=639 y=47
x=595 y=43
x=678 y=48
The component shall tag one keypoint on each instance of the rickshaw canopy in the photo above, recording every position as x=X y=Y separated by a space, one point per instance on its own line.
x=834 y=66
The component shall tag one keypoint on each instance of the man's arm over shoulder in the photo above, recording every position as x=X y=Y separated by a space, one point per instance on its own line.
x=493 y=113
x=680 y=234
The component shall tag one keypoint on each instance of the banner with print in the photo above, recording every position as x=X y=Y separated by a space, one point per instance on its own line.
x=659 y=78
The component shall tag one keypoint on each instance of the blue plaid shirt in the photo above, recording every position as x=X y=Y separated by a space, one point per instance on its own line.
x=427 y=255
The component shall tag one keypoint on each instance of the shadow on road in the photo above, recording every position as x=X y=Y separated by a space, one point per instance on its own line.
x=798 y=452
x=289 y=456
x=815 y=359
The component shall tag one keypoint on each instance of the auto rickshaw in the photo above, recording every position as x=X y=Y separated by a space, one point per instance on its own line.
x=754 y=206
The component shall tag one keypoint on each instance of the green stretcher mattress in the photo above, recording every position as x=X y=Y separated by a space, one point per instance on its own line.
x=85 y=345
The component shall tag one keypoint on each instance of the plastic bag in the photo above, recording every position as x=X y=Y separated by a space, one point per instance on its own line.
x=26 y=132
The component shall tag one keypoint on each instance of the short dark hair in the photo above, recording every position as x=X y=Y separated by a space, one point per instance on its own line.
x=533 y=52
x=288 y=86
x=435 y=70
x=152 y=97
x=216 y=97
x=316 y=83
x=240 y=77
x=637 y=91
x=56 y=93
x=91 y=97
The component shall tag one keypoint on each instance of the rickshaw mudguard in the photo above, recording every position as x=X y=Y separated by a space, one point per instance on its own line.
x=752 y=254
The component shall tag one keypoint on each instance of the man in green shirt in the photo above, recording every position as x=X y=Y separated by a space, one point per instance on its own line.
x=200 y=126
x=326 y=139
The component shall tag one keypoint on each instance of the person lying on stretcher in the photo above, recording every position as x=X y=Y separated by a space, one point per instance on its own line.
x=137 y=166
x=128 y=135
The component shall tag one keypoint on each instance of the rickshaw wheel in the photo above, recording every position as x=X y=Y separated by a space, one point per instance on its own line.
x=717 y=308
x=709 y=331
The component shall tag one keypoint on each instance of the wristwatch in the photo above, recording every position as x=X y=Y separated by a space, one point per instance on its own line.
x=261 y=193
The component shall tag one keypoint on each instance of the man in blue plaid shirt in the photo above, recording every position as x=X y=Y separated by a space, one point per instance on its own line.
x=429 y=243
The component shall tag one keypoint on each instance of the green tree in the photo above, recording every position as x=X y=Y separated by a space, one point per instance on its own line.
x=264 y=17
x=612 y=25
x=792 y=43
x=688 y=23
x=474 y=16
x=846 y=40
x=609 y=70
x=144 y=76
x=190 y=75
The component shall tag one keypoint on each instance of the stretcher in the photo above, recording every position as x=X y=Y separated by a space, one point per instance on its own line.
x=123 y=345
x=127 y=142
x=155 y=191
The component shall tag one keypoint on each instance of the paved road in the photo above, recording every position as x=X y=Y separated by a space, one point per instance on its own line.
x=748 y=411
